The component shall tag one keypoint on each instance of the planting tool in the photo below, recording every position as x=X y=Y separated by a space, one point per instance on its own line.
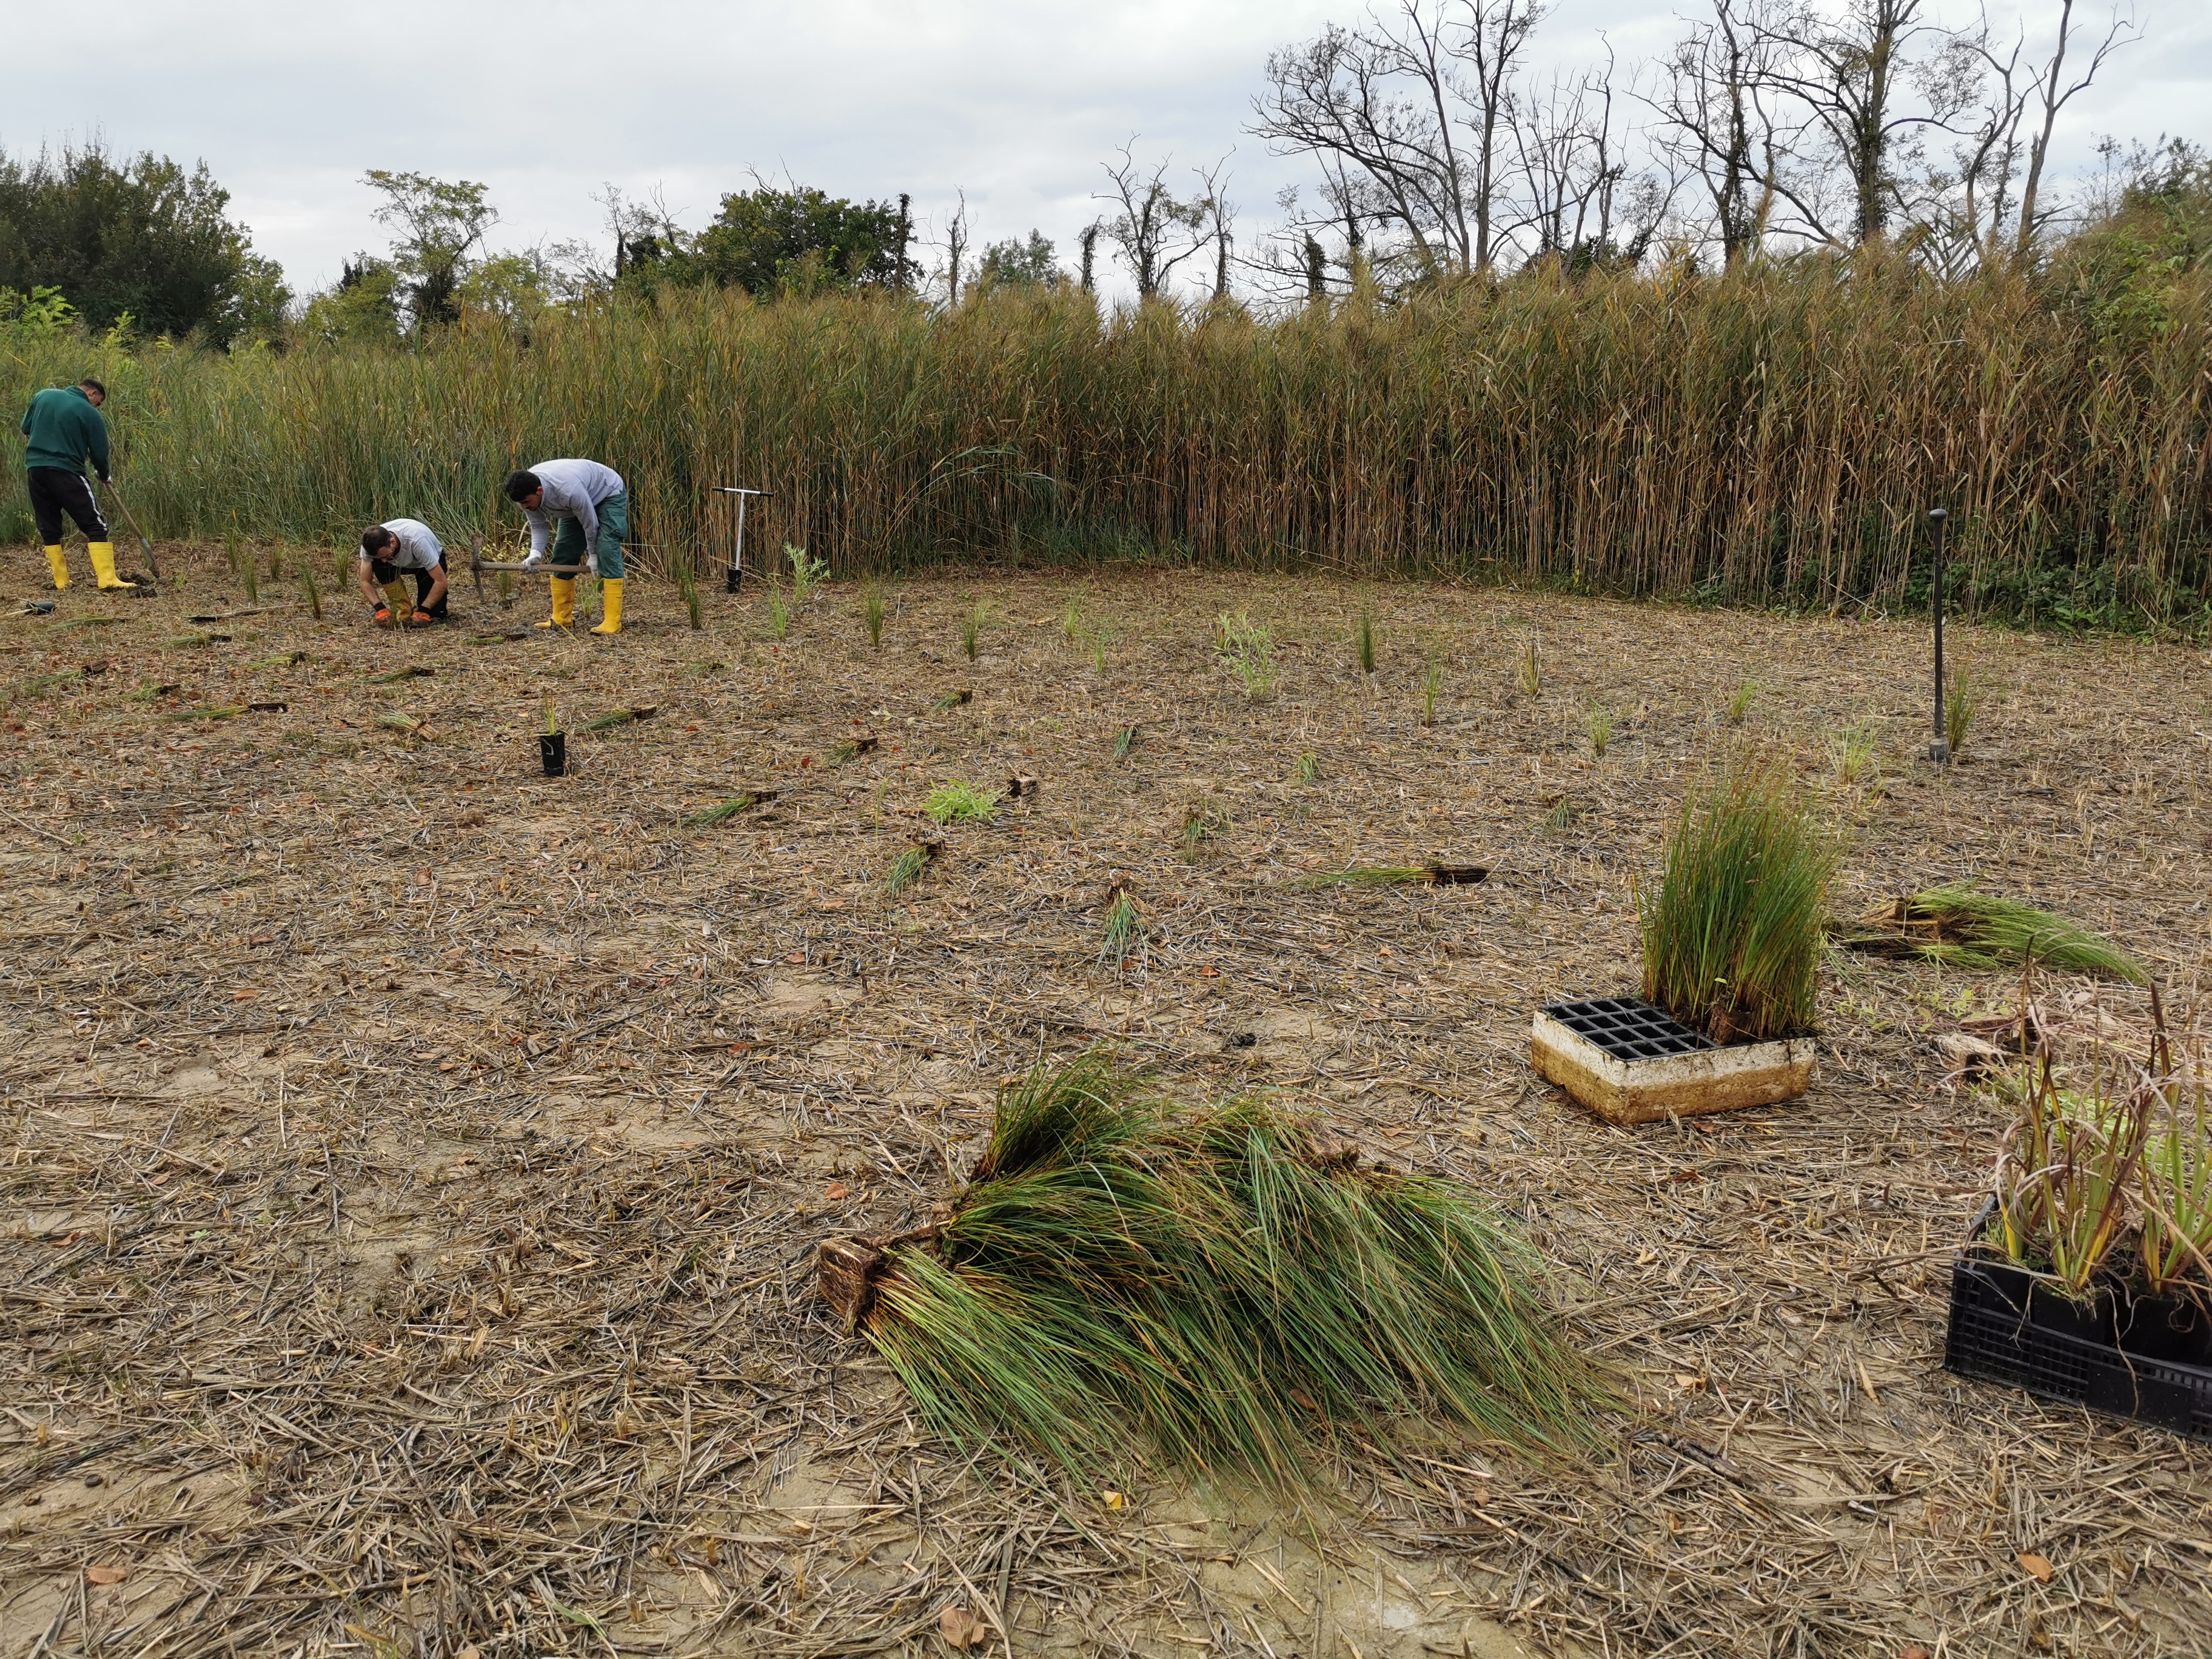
x=478 y=564
x=131 y=519
x=1940 y=751
x=735 y=572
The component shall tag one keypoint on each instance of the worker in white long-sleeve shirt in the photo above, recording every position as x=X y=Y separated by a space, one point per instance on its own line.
x=593 y=510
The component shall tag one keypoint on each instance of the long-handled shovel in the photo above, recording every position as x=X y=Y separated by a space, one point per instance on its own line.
x=131 y=519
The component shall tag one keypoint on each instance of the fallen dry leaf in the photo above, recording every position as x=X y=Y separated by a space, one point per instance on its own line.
x=1915 y=1651
x=1113 y=1500
x=106 y=1574
x=836 y=1189
x=2037 y=1567
x=962 y=1629
x=244 y=996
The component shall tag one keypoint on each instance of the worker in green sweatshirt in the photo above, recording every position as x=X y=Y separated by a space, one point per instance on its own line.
x=62 y=428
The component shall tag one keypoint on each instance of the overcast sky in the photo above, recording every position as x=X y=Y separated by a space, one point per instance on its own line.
x=1014 y=101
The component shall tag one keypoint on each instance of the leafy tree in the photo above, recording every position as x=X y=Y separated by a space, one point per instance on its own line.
x=138 y=240
x=791 y=241
x=441 y=227
x=1015 y=264
x=362 y=308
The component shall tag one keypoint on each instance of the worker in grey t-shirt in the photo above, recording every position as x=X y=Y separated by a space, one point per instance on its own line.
x=398 y=547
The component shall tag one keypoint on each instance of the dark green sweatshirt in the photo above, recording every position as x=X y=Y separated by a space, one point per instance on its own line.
x=63 y=428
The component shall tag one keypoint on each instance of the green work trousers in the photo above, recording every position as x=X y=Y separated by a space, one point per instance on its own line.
x=614 y=525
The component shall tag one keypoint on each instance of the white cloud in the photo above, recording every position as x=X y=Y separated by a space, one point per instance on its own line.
x=1017 y=103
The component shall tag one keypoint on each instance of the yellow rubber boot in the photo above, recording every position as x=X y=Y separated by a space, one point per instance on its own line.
x=103 y=564
x=564 y=603
x=610 y=606
x=61 y=568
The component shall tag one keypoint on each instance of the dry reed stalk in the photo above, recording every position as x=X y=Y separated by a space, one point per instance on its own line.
x=1774 y=433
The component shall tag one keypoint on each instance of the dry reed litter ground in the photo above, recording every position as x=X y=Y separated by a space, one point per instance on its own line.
x=414 y=1165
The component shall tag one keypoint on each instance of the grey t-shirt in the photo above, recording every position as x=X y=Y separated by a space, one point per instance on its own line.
x=416 y=545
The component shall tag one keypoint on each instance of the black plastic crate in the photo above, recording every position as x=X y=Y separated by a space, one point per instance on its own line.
x=1628 y=1028
x=2147 y=1359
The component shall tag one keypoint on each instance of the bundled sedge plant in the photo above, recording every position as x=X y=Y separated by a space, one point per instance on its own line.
x=1962 y=926
x=1223 y=1280
x=1732 y=936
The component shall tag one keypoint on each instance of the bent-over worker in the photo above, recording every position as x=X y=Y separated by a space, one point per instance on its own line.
x=592 y=509
x=401 y=547
x=62 y=427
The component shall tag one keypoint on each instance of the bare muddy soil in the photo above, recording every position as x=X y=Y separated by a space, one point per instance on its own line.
x=414 y=1164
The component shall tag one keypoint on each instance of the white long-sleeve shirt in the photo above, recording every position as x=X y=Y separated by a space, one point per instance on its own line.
x=572 y=489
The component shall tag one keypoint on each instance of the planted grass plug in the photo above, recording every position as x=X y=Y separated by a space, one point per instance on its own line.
x=1597 y=727
x=1122 y=934
x=906 y=869
x=1962 y=700
x=721 y=812
x=960 y=802
x=1220 y=1290
x=1247 y=649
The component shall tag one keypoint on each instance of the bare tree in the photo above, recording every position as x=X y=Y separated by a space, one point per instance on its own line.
x=1573 y=164
x=1219 y=215
x=1411 y=113
x=956 y=248
x=1717 y=115
x=1849 y=74
x=1155 y=232
x=2053 y=94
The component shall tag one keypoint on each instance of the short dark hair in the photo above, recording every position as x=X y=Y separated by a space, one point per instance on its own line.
x=520 y=486
x=91 y=385
x=374 y=537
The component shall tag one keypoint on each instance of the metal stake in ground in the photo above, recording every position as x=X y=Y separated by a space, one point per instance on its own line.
x=1940 y=751
x=735 y=572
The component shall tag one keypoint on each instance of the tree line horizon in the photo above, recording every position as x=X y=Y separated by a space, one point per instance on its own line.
x=1770 y=129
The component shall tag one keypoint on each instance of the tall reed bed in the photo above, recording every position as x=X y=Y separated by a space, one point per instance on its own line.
x=1775 y=434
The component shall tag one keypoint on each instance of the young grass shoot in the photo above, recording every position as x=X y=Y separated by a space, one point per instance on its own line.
x=1247 y=649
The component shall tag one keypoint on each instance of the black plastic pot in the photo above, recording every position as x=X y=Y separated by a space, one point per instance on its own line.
x=553 y=751
x=2140 y=1357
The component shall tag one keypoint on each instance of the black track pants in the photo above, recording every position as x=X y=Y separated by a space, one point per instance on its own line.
x=384 y=574
x=55 y=490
